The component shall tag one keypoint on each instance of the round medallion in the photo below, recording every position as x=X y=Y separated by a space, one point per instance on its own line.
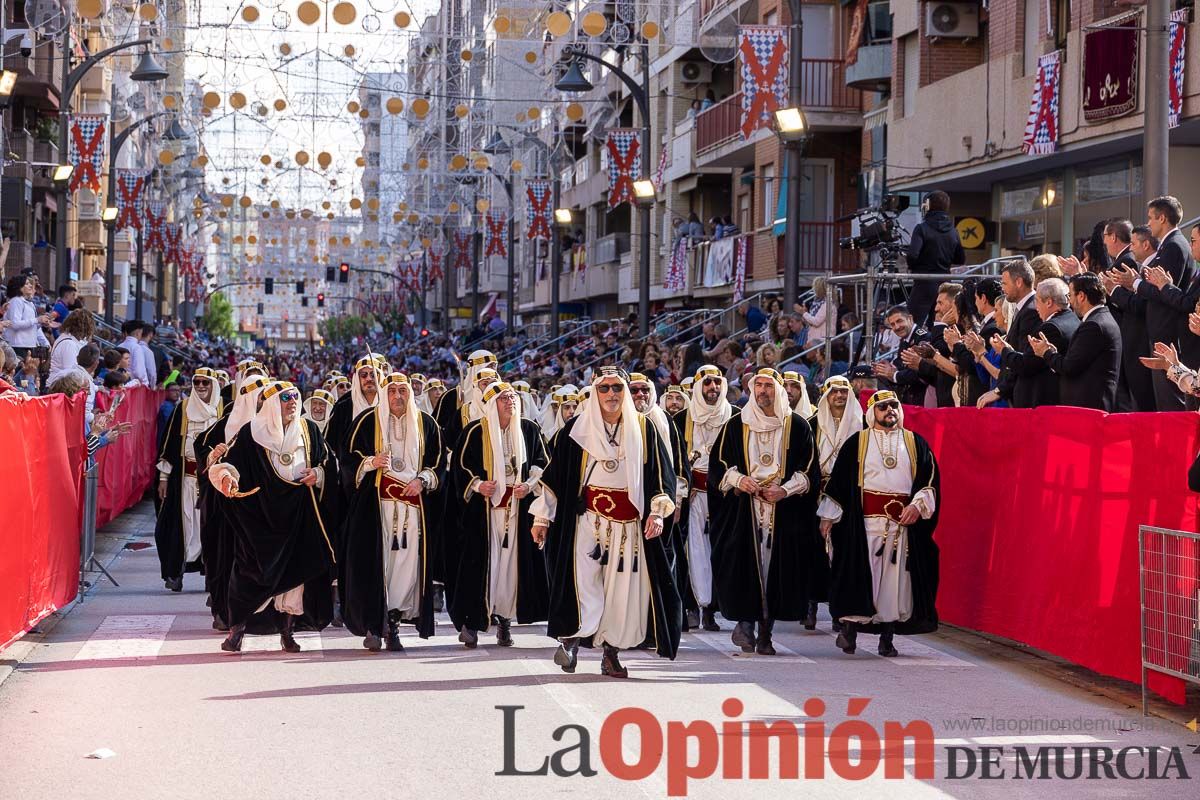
x=285 y=459
x=610 y=465
x=889 y=462
x=397 y=464
x=509 y=469
x=766 y=459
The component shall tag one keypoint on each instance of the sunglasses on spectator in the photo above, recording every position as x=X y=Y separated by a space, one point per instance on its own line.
x=888 y=404
x=287 y=397
x=615 y=388
x=640 y=390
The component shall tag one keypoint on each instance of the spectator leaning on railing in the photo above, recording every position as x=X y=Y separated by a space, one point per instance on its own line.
x=77 y=330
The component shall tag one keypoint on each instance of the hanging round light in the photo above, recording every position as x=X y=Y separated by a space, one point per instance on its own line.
x=302 y=158
x=308 y=12
x=558 y=23
x=395 y=105
x=344 y=13
x=324 y=159
x=237 y=100
x=250 y=14
x=402 y=19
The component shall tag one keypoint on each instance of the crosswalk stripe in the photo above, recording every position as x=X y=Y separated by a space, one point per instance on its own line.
x=127 y=636
x=723 y=645
x=912 y=652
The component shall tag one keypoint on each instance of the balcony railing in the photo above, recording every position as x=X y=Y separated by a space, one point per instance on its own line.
x=823 y=88
x=818 y=248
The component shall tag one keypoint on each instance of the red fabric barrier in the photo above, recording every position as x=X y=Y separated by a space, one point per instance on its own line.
x=126 y=467
x=41 y=497
x=1039 y=524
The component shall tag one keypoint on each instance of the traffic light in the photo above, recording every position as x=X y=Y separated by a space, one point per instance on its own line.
x=344 y=273
x=299 y=287
x=304 y=302
x=268 y=286
x=260 y=309
x=329 y=274
x=321 y=300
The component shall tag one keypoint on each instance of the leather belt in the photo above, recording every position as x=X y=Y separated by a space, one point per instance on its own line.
x=612 y=504
x=884 y=504
x=393 y=489
x=699 y=480
x=189 y=467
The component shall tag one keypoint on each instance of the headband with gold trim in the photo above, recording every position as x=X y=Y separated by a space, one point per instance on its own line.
x=416 y=376
x=246 y=363
x=708 y=370
x=674 y=387
x=366 y=361
x=521 y=386
x=394 y=379
x=882 y=396
x=686 y=384
x=222 y=375
x=435 y=383
x=835 y=382
x=767 y=372
x=321 y=394
x=610 y=372
x=637 y=377
x=496 y=388
x=274 y=389
x=793 y=376
x=254 y=384
x=485 y=374
x=204 y=373
x=479 y=361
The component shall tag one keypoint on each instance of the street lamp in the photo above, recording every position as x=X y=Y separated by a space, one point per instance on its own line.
x=148 y=68
x=563 y=217
x=62 y=174
x=1047 y=201
x=791 y=126
x=110 y=214
x=644 y=193
x=574 y=81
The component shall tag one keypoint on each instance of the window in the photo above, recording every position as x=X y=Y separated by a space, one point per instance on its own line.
x=767 y=176
x=912 y=72
x=1062 y=22
x=1032 y=37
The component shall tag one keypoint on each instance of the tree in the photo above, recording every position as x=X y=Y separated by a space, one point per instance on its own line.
x=217 y=318
x=342 y=329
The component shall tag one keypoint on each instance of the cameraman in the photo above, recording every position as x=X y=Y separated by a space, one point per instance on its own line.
x=934 y=248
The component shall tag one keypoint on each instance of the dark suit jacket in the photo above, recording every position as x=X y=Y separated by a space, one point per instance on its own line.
x=1167 y=309
x=908 y=383
x=967 y=367
x=1020 y=393
x=1088 y=369
x=942 y=383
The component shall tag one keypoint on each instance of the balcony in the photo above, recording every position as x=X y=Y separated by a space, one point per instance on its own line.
x=819 y=251
x=20 y=144
x=608 y=249
x=872 y=72
x=38 y=75
x=20 y=256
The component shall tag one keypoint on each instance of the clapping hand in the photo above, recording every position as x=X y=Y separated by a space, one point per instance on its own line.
x=1124 y=276
x=1041 y=345
x=975 y=343
x=1109 y=281
x=1157 y=276
x=885 y=370
x=910 y=358
x=1070 y=265
x=952 y=336
x=1164 y=356
x=1194 y=323
x=998 y=343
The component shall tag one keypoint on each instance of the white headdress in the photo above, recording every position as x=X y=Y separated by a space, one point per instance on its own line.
x=267 y=427
x=497 y=435
x=589 y=433
x=758 y=420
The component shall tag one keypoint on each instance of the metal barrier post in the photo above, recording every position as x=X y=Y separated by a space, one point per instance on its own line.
x=1169 y=600
x=87 y=546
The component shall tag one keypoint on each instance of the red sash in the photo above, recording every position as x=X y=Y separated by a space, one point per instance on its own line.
x=612 y=504
x=189 y=467
x=884 y=504
x=392 y=489
x=699 y=480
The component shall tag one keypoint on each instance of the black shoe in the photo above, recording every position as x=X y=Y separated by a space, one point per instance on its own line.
x=848 y=638
x=393 y=639
x=710 y=619
x=468 y=637
x=567 y=654
x=503 y=634
x=286 y=641
x=372 y=642
x=233 y=642
x=743 y=636
x=610 y=665
x=763 y=645
x=691 y=619
x=208 y=601
x=174 y=584
x=886 y=648
x=810 y=619
x=836 y=626
x=218 y=625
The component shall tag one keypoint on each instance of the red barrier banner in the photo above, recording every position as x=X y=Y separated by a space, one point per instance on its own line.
x=41 y=494
x=126 y=467
x=1039 y=524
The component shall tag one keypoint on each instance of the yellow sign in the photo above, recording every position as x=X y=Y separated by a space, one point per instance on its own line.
x=970 y=233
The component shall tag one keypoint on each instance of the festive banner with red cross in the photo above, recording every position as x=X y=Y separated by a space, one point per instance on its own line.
x=86 y=151
x=495 y=244
x=1041 y=129
x=435 y=264
x=462 y=249
x=537 y=209
x=662 y=167
x=173 y=233
x=740 y=249
x=1179 y=18
x=155 y=224
x=130 y=198
x=624 y=162
x=764 y=55
x=677 y=267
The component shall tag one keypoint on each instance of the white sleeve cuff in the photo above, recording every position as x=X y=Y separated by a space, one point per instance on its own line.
x=662 y=505
x=731 y=479
x=829 y=509
x=363 y=468
x=218 y=472
x=797 y=484
x=431 y=481
x=320 y=473
x=164 y=467
x=926 y=501
x=545 y=506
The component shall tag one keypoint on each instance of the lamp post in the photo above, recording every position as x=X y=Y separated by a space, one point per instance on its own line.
x=791 y=126
x=574 y=81
x=114 y=150
x=148 y=69
x=791 y=239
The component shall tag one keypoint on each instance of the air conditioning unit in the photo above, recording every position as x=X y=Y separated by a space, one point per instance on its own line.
x=952 y=20
x=90 y=205
x=696 y=72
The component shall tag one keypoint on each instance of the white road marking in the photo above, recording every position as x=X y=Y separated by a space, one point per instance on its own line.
x=912 y=652
x=309 y=641
x=127 y=636
x=722 y=645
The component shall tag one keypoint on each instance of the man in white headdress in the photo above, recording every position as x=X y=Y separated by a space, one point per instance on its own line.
x=339 y=386
x=604 y=497
x=562 y=408
x=700 y=425
x=500 y=574
x=364 y=394
x=797 y=392
x=674 y=400
x=434 y=390
x=418 y=383
x=271 y=477
x=529 y=403
x=879 y=511
x=395 y=466
x=544 y=405
x=460 y=405
x=177 y=529
x=763 y=482
x=318 y=407
x=216 y=535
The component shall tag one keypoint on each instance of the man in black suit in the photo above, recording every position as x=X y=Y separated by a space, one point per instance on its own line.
x=1016 y=279
x=906 y=382
x=921 y=358
x=1087 y=369
x=1167 y=309
x=1057 y=328
x=1135 y=391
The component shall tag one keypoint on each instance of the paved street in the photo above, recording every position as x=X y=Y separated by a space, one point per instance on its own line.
x=138 y=671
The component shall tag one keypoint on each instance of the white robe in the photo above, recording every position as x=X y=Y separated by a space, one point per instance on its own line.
x=891 y=583
x=401 y=522
x=189 y=490
x=699 y=549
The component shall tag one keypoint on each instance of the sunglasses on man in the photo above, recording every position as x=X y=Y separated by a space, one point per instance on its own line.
x=615 y=388
x=639 y=390
x=893 y=404
x=712 y=382
x=287 y=397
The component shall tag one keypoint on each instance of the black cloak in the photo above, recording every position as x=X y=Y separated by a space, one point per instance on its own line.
x=469 y=601
x=851 y=592
x=360 y=574
x=741 y=592
x=564 y=477
x=676 y=531
x=337 y=429
x=216 y=536
x=168 y=528
x=279 y=538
